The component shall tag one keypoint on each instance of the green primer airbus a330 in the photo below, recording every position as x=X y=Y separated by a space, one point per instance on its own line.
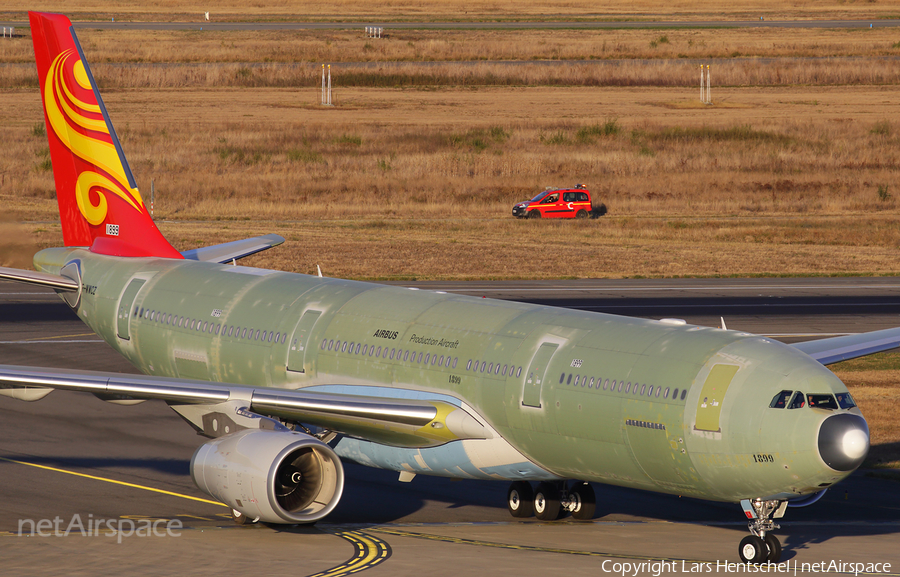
x=289 y=374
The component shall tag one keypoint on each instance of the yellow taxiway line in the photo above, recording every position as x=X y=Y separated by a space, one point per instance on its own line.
x=370 y=551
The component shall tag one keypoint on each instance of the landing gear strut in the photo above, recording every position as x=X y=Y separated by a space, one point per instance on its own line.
x=762 y=546
x=551 y=500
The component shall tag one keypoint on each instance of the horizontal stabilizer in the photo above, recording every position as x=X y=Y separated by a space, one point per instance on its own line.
x=836 y=349
x=53 y=281
x=223 y=253
x=391 y=421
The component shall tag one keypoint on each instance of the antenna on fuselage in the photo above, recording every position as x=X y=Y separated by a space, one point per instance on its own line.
x=319 y=270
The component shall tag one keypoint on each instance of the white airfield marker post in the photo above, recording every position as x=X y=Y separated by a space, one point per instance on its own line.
x=702 y=86
x=326 y=87
x=705 y=86
x=328 y=103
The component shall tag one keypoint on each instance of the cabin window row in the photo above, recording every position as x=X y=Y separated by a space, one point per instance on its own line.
x=490 y=368
x=405 y=355
x=645 y=424
x=207 y=327
x=637 y=389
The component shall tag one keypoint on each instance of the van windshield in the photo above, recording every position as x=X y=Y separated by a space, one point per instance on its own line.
x=541 y=195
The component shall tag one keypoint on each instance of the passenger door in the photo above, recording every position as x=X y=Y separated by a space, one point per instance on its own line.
x=124 y=314
x=550 y=206
x=299 y=342
x=537 y=371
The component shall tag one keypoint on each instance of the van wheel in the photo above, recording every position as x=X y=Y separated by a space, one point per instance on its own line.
x=534 y=214
x=581 y=214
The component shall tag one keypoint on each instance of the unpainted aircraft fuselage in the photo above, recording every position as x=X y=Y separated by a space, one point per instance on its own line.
x=567 y=394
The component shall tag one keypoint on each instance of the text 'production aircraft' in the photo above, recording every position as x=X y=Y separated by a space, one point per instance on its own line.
x=288 y=374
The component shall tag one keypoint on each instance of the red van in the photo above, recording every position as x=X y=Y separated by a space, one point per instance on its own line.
x=557 y=203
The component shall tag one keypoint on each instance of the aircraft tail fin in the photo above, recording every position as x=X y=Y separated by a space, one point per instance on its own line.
x=99 y=203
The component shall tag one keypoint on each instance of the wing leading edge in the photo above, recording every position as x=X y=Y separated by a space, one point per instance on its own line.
x=229 y=251
x=836 y=349
x=395 y=422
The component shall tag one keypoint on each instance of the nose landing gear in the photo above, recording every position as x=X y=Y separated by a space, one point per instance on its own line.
x=762 y=546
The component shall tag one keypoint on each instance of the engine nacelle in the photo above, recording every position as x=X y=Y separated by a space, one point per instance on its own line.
x=276 y=476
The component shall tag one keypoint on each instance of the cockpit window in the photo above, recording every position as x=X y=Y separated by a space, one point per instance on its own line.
x=781 y=399
x=845 y=400
x=798 y=402
x=822 y=402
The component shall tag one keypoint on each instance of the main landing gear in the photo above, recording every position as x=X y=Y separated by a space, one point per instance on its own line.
x=762 y=546
x=551 y=500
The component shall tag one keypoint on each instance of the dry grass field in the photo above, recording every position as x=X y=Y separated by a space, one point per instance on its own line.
x=336 y=46
x=792 y=170
x=797 y=180
x=460 y=10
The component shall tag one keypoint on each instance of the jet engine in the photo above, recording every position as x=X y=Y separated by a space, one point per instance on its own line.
x=272 y=476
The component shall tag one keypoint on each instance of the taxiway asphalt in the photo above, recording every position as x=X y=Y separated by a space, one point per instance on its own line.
x=73 y=455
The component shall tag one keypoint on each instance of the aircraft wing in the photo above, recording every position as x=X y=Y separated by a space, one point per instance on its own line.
x=836 y=349
x=224 y=253
x=53 y=281
x=395 y=422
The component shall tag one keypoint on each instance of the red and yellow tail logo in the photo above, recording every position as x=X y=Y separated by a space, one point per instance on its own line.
x=100 y=205
x=80 y=125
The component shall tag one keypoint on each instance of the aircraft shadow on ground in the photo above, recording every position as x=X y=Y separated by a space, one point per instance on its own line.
x=861 y=505
x=106 y=466
x=13 y=312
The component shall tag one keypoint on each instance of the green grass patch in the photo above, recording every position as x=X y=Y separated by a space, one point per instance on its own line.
x=586 y=134
x=882 y=128
x=304 y=155
x=558 y=137
x=239 y=155
x=744 y=133
x=476 y=140
x=499 y=135
x=348 y=140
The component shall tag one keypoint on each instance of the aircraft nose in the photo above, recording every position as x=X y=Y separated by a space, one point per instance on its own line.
x=844 y=441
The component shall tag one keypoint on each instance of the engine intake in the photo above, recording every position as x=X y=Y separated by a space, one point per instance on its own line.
x=275 y=476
